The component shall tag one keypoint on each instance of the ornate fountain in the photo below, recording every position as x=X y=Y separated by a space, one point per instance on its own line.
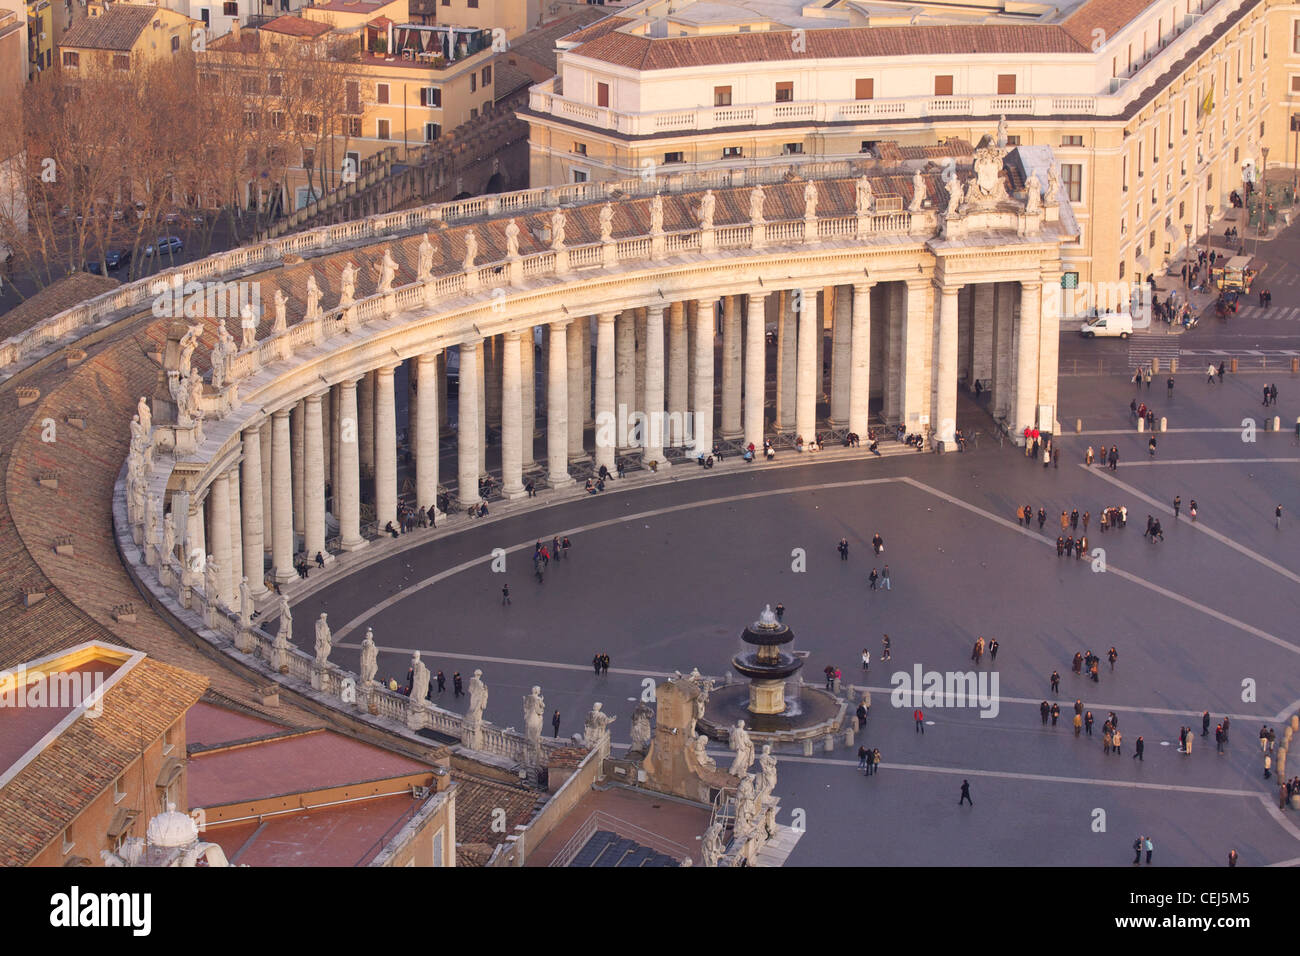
x=769 y=665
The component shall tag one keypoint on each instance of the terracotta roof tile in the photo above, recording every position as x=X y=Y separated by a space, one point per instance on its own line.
x=297 y=26
x=117 y=28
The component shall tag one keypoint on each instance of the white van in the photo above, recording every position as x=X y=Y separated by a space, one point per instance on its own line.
x=1108 y=323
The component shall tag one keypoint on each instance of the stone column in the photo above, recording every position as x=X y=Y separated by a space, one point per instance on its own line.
x=585 y=325
x=281 y=498
x=573 y=344
x=703 y=408
x=625 y=401
x=385 y=448
x=639 y=352
x=444 y=413
x=333 y=442
x=808 y=382
x=512 y=425
x=251 y=499
x=528 y=391
x=606 y=419
x=557 y=403
x=982 y=321
x=842 y=360
x=480 y=352
x=220 y=543
x=295 y=446
x=236 y=536
x=677 y=382
x=426 y=430
x=268 y=524
x=945 y=412
x=195 y=552
x=348 y=491
x=366 y=422
x=313 y=491
x=653 y=405
x=1003 y=342
x=914 y=382
x=492 y=381
x=755 y=369
x=1049 y=343
x=894 y=357
x=859 y=371
x=1026 y=357
x=692 y=329
x=469 y=431
x=731 y=376
x=327 y=438
x=786 y=367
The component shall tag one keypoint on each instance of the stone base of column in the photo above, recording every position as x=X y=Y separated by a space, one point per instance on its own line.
x=514 y=495
x=559 y=481
x=351 y=546
x=285 y=577
x=732 y=436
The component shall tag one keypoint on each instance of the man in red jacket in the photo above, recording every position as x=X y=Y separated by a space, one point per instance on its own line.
x=920 y=720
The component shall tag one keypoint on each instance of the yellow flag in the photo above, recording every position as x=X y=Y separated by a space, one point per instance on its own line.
x=1207 y=105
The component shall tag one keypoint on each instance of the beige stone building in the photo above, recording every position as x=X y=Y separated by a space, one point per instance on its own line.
x=1151 y=108
x=124 y=36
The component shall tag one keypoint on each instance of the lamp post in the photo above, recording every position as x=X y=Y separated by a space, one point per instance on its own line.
x=1187 y=266
x=1263 y=196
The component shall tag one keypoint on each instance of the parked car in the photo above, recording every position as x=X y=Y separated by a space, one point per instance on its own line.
x=1108 y=323
x=164 y=245
x=114 y=259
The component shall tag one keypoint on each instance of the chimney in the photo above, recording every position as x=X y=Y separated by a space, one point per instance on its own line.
x=234 y=31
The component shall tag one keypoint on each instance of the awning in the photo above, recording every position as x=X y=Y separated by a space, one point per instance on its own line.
x=122 y=821
x=171 y=769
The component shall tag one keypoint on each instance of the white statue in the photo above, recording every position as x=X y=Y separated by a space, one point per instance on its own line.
x=746 y=804
x=1033 y=194
x=607 y=222
x=512 y=240
x=286 y=619
x=471 y=250
x=210 y=571
x=151 y=521
x=712 y=848
x=954 y=198
x=189 y=395
x=657 y=215
x=223 y=352
x=863 y=196
x=248 y=322
x=139 y=436
x=707 y=206
x=189 y=342
x=419 y=678
x=597 y=727
x=918 y=192
x=756 y=203
x=641 y=732
x=534 y=714
x=323 y=643
x=744 y=748
x=557 y=230
x=766 y=773
x=702 y=757
x=369 y=658
x=348 y=285
x=169 y=538
x=387 y=272
x=478 y=697
x=245 y=604
x=810 y=200
x=1002 y=133
x=1053 y=184
x=424 y=268
x=313 y=303
x=145 y=415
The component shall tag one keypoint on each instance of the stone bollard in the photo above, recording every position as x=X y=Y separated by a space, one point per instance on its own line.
x=1295 y=721
x=1277 y=423
x=1155 y=366
x=1142 y=424
x=1078 y=425
x=835 y=686
x=828 y=744
x=807 y=747
x=1295 y=364
x=848 y=737
x=1295 y=801
x=1164 y=423
x=1232 y=365
x=1173 y=366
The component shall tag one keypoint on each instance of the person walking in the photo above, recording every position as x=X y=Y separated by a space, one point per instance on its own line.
x=1137 y=851
x=1065 y=522
x=885 y=647
x=1042 y=518
x=1147 y=845
x=844 y=549
x=965 y=794
x=1074 y=520
x=1169 y=388
x=884 y=579
x=780 y=608
x=1087 y=722
x=1151 y=446
x=878 y=543
x=1044 y=711
x=875 y=760
x=596 y=662
x=442 y=682
x=1218 y=738
x=1112 y=655
x=1138 y=746
x=1178 y=504
x=1205 y=724
x=1086 y=517
x=1277 y=517
x=1116 y=739
x=1056 y=713
x=863 y=752
x=1232 y=857
x=874 y=578
x=505 y=594
x=1209 y=374
x=993 y=650
x=919 y=717
x=1192 y=509
x=555 y=724
x=1055 y=681
x=457 y=686
x=1078 y=724
x=866 y=660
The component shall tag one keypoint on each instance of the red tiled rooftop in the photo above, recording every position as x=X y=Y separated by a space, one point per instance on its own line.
x=347 y=835
x=209 y=725
x=21 y=726
x=297 y=26
x=310 y=761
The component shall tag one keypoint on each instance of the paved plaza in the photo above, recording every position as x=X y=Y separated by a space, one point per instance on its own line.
x=665 y=576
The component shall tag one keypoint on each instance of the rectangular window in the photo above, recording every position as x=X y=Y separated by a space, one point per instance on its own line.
x=1181 y=207
x=579 y=176
x=1141 y=172
x=1006 y=84
x=308 y=158
x=119 y=792
x=864 y=89
x=1151 y=239
x=868 y=146
x=676 y=157
x=71 y=59
x=473 y=82
x=431 y=96
x=722 y=96
x=432 y=131
x=473 y=112
x=602 y=94
x=580 y=149
x=785 y=92
x=1072 y=178
x=1123 y=173
x=250 y=85
x=381 y=92
x=383 y=128
x=1013 y=140
x=792 y=149
x=68 y=842
x=353 y=96
x=176 y=44
x=473 y=4
x=487 y=75
x=121 y=61
x=230 y=8
x=354 y=127
x=1295 y=83
x=732 y=152
x=1295 y=36
x=274 y=84
x=1123 y=226
x=943 y=85
x=1071 y=140
x=167 y=742
x=277 y=120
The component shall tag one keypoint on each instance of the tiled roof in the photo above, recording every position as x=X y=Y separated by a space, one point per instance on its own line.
x=643 y=53
x=296 y=26
x=539 y=45
x=47 y=794
x=117 y=28
x=1108 y=16
x=509 y=79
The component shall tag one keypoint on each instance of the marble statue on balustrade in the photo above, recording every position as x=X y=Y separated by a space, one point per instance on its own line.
x=1033 y=194
x=512 y=240
x=324 y=643
x=712 y=848
x=223 y=351
x=708 y=203
x=862 y=196
x=248 y=324
x=641 y=731
x=424 y=259
x=151 y=522
x=210 y=572
x=135 y=489
x=743 y=747
x=369 y=659
x=1002 y=139
x=188 y=343
x=478 y=696
x=918 y=192
x=747 y=804
x=419 y=679
x=534 y=714
x=348 y=286
x=702 y=758
x=756 y=198
x=139 y=436
x=810 y=200
x=987 y=188
x=657 y=215
x=557 y=229
x=1053 y=184
x=471 y=251
x=145 y=415
x=387 y=272
x=314 y=296
x=245 y=604
x=596 y=727
x=607 y=222
x=954 y=198
x=281 y=322
x=188 y=397
x=169 y=538
x=766 y=773
x=286 y=619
